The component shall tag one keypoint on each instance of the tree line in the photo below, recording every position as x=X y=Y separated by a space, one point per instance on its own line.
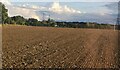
x=85 y=25
x=20 y=20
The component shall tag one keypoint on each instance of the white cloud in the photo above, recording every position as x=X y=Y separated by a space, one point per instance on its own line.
x=25 y=10
x=30 y=11
x=27 y=13
x=32 y=7
x=57 y=8
x=59 y=12
x=6 y=2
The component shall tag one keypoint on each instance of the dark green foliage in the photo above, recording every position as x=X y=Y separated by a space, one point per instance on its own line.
x=9 y=21
x=19 y=20
x=3 y=12
x=84 y=25
x=51 y=22
x=32 y=22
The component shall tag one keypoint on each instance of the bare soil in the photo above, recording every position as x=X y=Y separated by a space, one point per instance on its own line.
x=47 y=47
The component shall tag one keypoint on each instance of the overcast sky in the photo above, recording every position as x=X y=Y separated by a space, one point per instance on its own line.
x=102 y=11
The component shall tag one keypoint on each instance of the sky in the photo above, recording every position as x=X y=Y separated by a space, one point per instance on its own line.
x=101 y=11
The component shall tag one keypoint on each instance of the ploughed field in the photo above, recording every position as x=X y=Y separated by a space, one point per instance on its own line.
x=47 y=47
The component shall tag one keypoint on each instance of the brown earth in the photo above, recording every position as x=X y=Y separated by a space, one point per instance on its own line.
x=47 y=47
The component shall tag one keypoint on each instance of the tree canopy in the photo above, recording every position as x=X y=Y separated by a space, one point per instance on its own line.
x=19 y=20
x=3 y=12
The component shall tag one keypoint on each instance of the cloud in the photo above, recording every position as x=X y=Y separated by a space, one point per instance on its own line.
x=61 y=12
x=84 y=17
x=113 y=7
x=57 y=8
x=27 y=13
x=31 y=11
x=6 y=2
x=94 y=17
x=25 y=10
x=32 y=7
x=102 y=11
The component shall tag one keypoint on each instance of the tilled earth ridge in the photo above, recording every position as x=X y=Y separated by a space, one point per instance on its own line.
x=47 y=47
